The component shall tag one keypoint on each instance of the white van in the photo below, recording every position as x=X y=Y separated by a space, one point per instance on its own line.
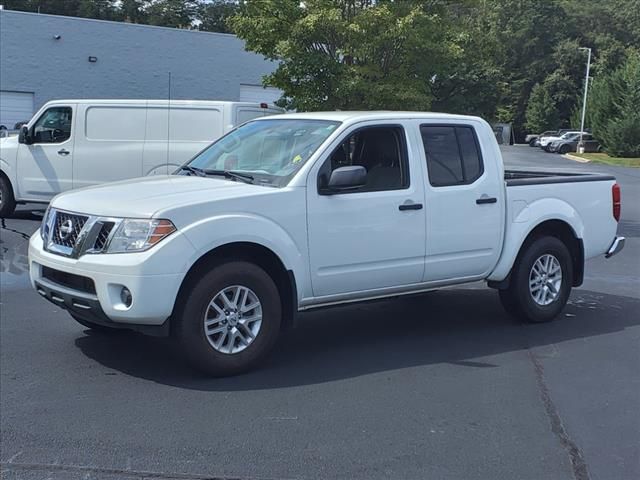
x=71 y=144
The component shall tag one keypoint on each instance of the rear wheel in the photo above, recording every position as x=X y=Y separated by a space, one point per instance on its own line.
x=230 y=320
x=7 y=200
x=565 y=149
x=532 y=142
x=541 y=281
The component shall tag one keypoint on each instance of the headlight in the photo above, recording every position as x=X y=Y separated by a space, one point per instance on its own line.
x=133 y=235
x=44 y=227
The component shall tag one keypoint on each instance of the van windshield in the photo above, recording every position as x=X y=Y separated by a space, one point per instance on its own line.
x=265 y=152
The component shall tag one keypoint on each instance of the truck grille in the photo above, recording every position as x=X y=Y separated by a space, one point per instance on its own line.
x=103 y=236
x=67 y=228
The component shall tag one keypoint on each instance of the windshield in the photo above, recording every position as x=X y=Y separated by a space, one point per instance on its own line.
x=569 y=136
x=268 y=152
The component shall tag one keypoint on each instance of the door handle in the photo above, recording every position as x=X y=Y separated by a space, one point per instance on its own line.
x=63 y=152
x=410 y=206
x=486 y=199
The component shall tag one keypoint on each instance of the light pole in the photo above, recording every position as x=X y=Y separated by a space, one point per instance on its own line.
x=584 y=100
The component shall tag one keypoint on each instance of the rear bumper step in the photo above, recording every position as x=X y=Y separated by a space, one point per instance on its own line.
x=616 y=246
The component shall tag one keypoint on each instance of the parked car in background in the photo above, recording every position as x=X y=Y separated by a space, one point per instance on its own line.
x=71 y=144
x=570 y=144
x=545 y=141
x=320 y=209
x=532 y=138
x=557 y=133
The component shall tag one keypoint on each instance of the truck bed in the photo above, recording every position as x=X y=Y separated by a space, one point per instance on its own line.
x=514 y=178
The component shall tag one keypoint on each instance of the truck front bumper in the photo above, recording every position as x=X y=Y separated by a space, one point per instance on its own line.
x=616 y=246
x=90 y=287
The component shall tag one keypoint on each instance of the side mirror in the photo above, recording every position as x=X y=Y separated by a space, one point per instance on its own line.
x=346 y=178
x=24 y=136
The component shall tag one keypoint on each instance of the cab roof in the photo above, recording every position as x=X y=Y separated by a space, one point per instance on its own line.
x=349 y=116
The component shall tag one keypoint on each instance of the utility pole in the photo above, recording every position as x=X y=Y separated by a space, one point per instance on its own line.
x=584 y=100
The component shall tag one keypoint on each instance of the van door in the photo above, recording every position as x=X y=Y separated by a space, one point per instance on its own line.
x=45 y=168
x=464 y=202
x=109 y=147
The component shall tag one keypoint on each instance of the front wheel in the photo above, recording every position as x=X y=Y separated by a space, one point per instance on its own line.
x=7 y=201
x=230 y=319
x=541 y=281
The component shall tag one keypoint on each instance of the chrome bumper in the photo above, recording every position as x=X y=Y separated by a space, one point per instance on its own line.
x=616 y=246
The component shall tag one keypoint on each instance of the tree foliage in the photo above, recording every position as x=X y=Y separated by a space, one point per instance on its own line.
x=613 y=109
x=206 y=15
x=515 y=61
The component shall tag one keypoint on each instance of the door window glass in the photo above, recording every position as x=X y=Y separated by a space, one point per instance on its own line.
x=453 y=156
x=382 y=151
x=53 y=126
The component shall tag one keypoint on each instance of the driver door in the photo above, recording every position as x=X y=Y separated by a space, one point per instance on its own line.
x=45 y=167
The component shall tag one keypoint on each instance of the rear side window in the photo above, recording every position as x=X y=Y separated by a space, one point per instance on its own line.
x=453 y=155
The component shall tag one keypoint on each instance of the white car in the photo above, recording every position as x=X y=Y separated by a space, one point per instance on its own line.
x=545 y=141
x=71 y=144
x=321 y=209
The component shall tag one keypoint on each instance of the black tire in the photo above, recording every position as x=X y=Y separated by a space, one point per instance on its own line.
x=532 y=142
x=7 y=200
x=96 y=327
x=189 y=320
x=518 y=301
x=564 y=149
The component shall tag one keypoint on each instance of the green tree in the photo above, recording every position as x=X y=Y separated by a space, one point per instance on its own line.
x=542 y=113
x=348 y=54
x=172 y=13
x=613 y=109
x=214 y=15
x=133 y=11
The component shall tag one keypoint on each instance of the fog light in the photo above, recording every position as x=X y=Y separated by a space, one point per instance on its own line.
x=125 y=296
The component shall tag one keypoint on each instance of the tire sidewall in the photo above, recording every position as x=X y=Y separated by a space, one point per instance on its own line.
x=529 y=308
x=190 y=321
x=8 y=200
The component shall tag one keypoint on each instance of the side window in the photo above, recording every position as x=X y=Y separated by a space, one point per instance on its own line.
x=453 y=155
x=53 y=126
x=381 y=150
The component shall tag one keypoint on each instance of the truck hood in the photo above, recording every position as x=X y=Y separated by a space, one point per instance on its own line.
x=142 y=197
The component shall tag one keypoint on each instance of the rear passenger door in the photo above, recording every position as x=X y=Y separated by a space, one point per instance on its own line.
x=464 y=201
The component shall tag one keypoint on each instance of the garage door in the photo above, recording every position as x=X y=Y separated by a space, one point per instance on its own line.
x=15 y=107
x=259 y=94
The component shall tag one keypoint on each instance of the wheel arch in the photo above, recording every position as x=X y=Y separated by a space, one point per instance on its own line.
x=257 y=254
x=555 y=228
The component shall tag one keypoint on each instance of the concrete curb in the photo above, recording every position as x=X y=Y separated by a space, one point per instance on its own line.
x=576 y=159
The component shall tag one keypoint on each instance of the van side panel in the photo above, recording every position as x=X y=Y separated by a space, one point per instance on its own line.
x=189 y=129
x=109 y=142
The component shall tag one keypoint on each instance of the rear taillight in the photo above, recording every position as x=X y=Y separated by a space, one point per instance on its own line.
x=615 y=196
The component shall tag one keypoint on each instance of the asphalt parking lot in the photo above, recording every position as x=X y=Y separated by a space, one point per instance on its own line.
x=443 y=385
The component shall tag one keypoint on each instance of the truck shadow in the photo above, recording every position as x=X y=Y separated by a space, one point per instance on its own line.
x=460 y=326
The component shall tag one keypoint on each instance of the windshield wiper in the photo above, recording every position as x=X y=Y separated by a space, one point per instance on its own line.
x=195 y=170
x=245 y=177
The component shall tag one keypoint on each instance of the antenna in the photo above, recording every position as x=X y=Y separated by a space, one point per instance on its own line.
x=168 y=120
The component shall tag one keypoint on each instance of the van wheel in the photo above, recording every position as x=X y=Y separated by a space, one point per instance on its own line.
x=230 y=319
x=541 y=281
x=7 y=201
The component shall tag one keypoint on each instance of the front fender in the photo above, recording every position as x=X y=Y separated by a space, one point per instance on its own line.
x=214 y=232
x=524 y=221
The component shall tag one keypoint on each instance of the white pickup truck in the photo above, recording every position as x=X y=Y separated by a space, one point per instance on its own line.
x=318 y=209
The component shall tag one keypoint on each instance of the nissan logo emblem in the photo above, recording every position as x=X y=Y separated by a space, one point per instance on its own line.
x=66 y=229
